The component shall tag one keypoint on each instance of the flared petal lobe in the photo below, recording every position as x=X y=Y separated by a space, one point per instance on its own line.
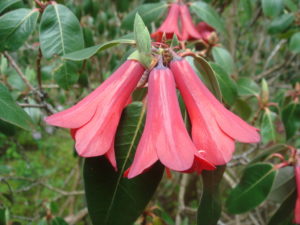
x=214 y=128
x=165 y=137
x=94 y=119
x=205 y=31
x=169 y=26
x=188 y=29
x=297 y=175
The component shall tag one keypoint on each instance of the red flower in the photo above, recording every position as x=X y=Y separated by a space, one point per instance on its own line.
x=165 y=137
x=205 y=31
x=297 y=175
x=188 y=29
x=169 y=26
x=214 y=128
x=94 y=120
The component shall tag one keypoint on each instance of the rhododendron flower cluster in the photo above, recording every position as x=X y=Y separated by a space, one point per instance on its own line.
x=94 y=120
x=179 y=22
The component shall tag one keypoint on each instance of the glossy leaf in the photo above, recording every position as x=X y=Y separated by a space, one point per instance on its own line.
x=271 y=127
x=284 y=215
x=227 y=85
x=143 y=40
x=208 y=15
x=209 y=210
x=272 y=7
x=224 y=59
x=4 y=4
x=87 y=53
x=149 y=12
x=113 y=199
x=11 y=113
x=253 y=188
x=291 y=119
x=247 y=86
x=283 y=185
x=208 y=76
x=15 y=28
x=295 y=43
x=281 y=23
x=60 y=31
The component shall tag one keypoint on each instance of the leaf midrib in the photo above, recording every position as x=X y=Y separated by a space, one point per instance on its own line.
x=60 y=28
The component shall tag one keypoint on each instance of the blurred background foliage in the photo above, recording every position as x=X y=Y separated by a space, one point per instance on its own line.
x=40 y=175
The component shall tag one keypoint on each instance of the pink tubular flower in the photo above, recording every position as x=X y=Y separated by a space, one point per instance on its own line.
x=94 y=120
x=165 y=137
x=206 y=31
x=214 y=128
x=169 y=26
x=188 y=29
x=297 y=175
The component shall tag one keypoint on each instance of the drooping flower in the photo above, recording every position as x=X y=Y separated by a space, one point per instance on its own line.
x=297 y=175
x=165 y=137
x=214 y=128
x=207 y=32
x=94 y=120
x=188 y=29
x=169 y=26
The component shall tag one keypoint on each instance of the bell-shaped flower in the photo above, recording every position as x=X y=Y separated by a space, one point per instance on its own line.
x=94 y=120
x=297 y=175
x=207 y=33
x=214 y=128
x=170 y=26
x=165 y=137
x=188 y=29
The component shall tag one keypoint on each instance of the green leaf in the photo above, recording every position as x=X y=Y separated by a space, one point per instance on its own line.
x=143 y=40
x=281 y=23
x=291 y=120
x=268 y=151
x=4 y=4
x=91 y=51
x=208 y=76
x=291 y=5
x=15 y=28
x=227 y=85
x=113 y=199
x=271 y=129
x=247 y=86
x=66 y=74
x=264 y=95
x=60 y=31
x=295 y=43
x=149 y=12
x=11 y=113
x=209 y=210
x=272 y=8
x=242 y=108
x=283 y=185
x=206 y=13
x=284 y=215
x=4 y=216
x=224 y=59
x=253 y=189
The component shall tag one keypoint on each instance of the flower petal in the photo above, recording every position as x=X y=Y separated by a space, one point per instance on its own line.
x=188 y=29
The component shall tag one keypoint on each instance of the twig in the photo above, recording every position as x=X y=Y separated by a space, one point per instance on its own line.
x=24 y=105
x=181 y=204
x=74 y=219
x=274 y=52
x=39 y=69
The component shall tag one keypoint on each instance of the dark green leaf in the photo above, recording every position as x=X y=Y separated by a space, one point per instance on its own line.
x=113 y=199
x=247 y=86
x=210 y=207
x=284 y=215
x=143 y=40
x=149 y=13
x=291 y=119
x=11 y=113
x=227 y=85
x=208 y=15
x=66 y=74
x=271 y=127
x=253 y=189
x=58 y=221
x=15 y=28
x=272 y=7
x=281 y=23
x=242 y=109
x=295 y=43
x=60 y=31
x=89 y=52
x=208 y=76
x=4 y=4
x=283 y=185
x=224 y=59
x=4 y=216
